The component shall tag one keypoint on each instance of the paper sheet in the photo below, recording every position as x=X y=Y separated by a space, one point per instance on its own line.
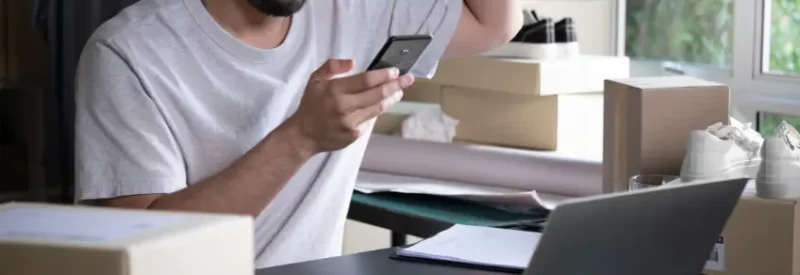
x=545 y=172
x=59 y=224
x=370 y=182
x=484 y=246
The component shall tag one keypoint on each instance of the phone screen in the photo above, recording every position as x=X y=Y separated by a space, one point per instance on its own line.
x=401 y=52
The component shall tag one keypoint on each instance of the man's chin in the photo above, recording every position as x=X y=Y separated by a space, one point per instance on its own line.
x=280 y=8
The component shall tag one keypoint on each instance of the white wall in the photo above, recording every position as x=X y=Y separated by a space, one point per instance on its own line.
x=593 y=21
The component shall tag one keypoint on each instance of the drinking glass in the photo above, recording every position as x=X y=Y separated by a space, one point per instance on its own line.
x=649 y=181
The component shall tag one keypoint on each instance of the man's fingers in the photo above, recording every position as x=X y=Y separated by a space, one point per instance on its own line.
x=364 y=81
x=372 y=111
x=331 y=68
x=377 y=94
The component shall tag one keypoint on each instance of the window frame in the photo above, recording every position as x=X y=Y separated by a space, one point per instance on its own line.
x=752 y=89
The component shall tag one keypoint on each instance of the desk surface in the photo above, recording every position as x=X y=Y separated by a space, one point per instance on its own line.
x=368 y=263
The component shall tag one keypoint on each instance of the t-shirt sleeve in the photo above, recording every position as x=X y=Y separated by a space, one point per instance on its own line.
x=438 y=18
x=123 y=145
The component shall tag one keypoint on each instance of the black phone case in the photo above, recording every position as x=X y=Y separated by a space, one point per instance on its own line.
x=401 y=52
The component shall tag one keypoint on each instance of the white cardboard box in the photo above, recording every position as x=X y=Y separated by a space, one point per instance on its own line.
x=39 y=239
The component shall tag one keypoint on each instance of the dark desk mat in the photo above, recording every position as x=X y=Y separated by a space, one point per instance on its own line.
x=448 y=210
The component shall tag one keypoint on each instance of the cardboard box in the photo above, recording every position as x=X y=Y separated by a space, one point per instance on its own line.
x=391 y=122
x=38 y=239
x=423 y=94
x=505 y=119
x=532 y=77
x=647 y=122
x=423 y=90
x=762 y=237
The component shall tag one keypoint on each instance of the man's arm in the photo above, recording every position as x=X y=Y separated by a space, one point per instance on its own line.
x=127 y=158
x=485 y=25
x=246 y=187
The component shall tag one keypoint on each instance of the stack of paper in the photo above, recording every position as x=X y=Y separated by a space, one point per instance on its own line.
x=370 y=182
x=477 y=246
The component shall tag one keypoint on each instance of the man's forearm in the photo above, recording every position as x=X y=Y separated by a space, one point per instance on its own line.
x=250 y=183
x=502 y=17
x=485 y=25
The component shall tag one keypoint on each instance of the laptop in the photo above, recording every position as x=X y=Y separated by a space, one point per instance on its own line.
x=669 y=230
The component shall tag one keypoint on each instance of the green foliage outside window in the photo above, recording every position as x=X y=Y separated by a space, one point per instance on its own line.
x=693 y=31
x=701 y=32
x=767 y=122
x=785 y=36
x=784 y=55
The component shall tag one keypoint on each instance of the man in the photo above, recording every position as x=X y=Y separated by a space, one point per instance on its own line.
x=254 y=107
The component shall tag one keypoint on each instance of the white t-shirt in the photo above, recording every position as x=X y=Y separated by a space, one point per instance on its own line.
x=167 y=98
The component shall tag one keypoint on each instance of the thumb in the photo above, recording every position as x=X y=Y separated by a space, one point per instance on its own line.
x=331 y=68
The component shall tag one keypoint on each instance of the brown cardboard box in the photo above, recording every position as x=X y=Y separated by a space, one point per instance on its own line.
x=647 y=121
x=762 y=237
x=503 y=118
x=423 y=90
x=389 y=123
x=532 y=77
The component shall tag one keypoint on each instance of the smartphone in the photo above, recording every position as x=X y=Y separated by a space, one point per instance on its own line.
x=401 y=52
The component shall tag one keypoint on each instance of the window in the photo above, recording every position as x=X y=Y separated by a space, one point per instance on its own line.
x=767 y=122
x=782 y=37
x=691 y=31
x=753 y=46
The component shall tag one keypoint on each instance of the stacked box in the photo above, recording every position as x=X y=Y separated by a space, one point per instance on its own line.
x=512 y=102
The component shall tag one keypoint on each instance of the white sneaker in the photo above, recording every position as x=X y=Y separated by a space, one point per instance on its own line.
x=722 y=151
x=779 y=176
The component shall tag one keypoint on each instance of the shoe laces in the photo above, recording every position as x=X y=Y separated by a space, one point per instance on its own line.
x=788 y=134
x=741 y=134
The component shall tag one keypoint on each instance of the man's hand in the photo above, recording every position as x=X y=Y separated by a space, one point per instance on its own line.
x=332 y=109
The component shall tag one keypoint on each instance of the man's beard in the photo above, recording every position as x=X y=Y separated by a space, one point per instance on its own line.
x=280 y=8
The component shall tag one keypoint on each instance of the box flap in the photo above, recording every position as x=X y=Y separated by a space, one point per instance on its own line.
x=645 y=83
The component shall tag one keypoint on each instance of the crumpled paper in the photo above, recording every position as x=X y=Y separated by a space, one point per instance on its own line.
x=429 y=125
